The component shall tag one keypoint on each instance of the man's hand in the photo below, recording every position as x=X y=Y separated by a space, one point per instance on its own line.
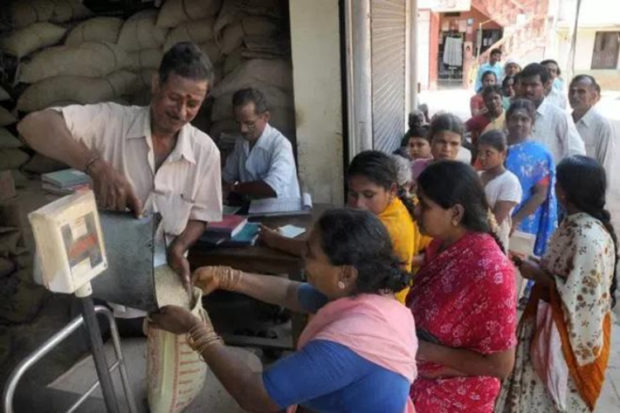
x=178 y=262
x=112 y=190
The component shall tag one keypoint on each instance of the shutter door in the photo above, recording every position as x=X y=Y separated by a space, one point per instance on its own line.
x=387 y=25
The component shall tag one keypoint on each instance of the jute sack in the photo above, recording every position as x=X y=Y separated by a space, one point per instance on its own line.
x=24 y=13
x=275 y=97
x=175 y=12
x=140 y=32
x=233 y=34
x=175 y=373
x=274 y=72
x=25 y=41
x=232 y=61
x=6 y=117
x=197 y=31
x=12 y=158
x=77 y=89
x=66 y=10
x=7 y=140
x=234 y=10
x=97 y=29
x=86 y=59
x=145 y=59
x=4 y=95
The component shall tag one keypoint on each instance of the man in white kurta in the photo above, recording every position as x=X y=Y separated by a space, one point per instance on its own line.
x=262 y=164
x=594 y=128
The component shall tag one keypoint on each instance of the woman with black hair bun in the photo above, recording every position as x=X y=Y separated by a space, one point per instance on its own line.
x=358 y=351
x=463 y=297
x=566 y=327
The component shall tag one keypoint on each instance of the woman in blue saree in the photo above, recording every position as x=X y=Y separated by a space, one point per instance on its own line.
x=533 y=164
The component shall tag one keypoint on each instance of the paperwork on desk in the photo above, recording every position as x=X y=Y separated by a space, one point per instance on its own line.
x=281 y=206
x=291 y=231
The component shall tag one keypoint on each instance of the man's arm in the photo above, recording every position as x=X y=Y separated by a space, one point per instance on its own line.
x=255 y=189
x=573 y=144
x=47 y=133
x=180 y=245
x=606 y=148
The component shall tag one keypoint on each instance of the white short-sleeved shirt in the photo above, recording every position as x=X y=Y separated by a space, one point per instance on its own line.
x=505 y=187
x=270 y=160
x=598 y=136
x=555 y=129
x=187 y=185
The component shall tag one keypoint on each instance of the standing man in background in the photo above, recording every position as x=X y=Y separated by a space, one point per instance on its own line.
x=493 y=65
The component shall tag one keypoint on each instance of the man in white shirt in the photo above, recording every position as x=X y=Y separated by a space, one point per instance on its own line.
x=261 y=164
x=145 y=158
x=552 y=127
x=595 y=130
x=555 y=89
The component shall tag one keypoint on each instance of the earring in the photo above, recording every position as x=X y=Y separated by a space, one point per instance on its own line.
x=341 y=285
x=455 y=223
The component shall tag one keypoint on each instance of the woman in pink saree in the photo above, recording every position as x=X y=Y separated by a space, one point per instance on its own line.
x=463 y=298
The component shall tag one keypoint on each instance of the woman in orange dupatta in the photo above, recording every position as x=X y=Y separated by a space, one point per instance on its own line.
x=564 y=332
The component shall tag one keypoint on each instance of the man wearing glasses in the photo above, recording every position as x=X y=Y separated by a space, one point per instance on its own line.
x=262 y=164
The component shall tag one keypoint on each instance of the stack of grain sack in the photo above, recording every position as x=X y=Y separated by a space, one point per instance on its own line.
x=254 y=41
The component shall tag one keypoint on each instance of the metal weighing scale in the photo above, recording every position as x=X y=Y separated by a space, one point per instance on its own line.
x=74 y=259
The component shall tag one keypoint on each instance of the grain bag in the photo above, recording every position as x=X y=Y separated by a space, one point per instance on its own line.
x=175 y=12
x=12 y=158
x=25 y=13
x=7 y=140
x=140 y=32
x=97 y=29
x=86 y=59
x=77 y=89
x=145 y=59
x=275 y=97
x=212 y=50
x=274 y=72
x=232 y=61
x=67 y=10
x=197 y=31
x=175 y=373
x=233 y=11
x=25 y=41
x=4 y=95
x=6 y=118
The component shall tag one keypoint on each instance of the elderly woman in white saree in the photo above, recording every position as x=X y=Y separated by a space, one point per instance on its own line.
x=564 y=333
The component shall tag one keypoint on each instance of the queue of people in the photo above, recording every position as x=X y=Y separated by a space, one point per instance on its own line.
x=411 y=284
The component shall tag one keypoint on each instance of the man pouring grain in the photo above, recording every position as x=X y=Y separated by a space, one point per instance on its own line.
x=146 y=159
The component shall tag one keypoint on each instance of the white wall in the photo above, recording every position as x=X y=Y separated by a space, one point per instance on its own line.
x=315 y=42
x=424 y=31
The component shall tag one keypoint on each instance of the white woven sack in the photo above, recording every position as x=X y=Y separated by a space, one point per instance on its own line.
x=97 y=29
x=140 y=32
x=277 y=100
x=175 y=12
x=233 y=34
x=77 y=89
x=87 y=59
x=25 y=13
x=6 y=118
x=67 y=10
x=145 y=59
x=234 y=10
x=7 y=140
x=25 y=41
x=197 y=31
x=212 y=50
x=274 y=72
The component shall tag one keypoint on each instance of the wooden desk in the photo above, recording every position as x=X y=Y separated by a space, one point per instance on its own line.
x=263 y=260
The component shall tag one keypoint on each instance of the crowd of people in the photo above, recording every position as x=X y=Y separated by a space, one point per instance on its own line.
x=411 y=285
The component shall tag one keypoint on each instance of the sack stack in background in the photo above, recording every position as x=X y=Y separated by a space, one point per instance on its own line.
x=254 y=40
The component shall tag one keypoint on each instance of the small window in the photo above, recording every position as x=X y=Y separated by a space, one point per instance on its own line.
x=605 y=54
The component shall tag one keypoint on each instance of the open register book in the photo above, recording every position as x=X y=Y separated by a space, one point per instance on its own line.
x=281 y=206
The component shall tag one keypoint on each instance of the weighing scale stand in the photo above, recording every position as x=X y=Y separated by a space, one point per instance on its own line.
x=96 y=344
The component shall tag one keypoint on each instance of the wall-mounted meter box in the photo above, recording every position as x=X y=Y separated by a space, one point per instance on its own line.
x=69 y=242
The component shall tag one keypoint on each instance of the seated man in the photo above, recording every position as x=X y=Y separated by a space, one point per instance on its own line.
x=145 y=158
x=262 y=164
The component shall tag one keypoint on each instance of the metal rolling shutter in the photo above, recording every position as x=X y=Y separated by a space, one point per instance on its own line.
x=388 y=33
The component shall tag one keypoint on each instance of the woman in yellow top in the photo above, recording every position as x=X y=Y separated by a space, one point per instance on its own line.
x=373 y=186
